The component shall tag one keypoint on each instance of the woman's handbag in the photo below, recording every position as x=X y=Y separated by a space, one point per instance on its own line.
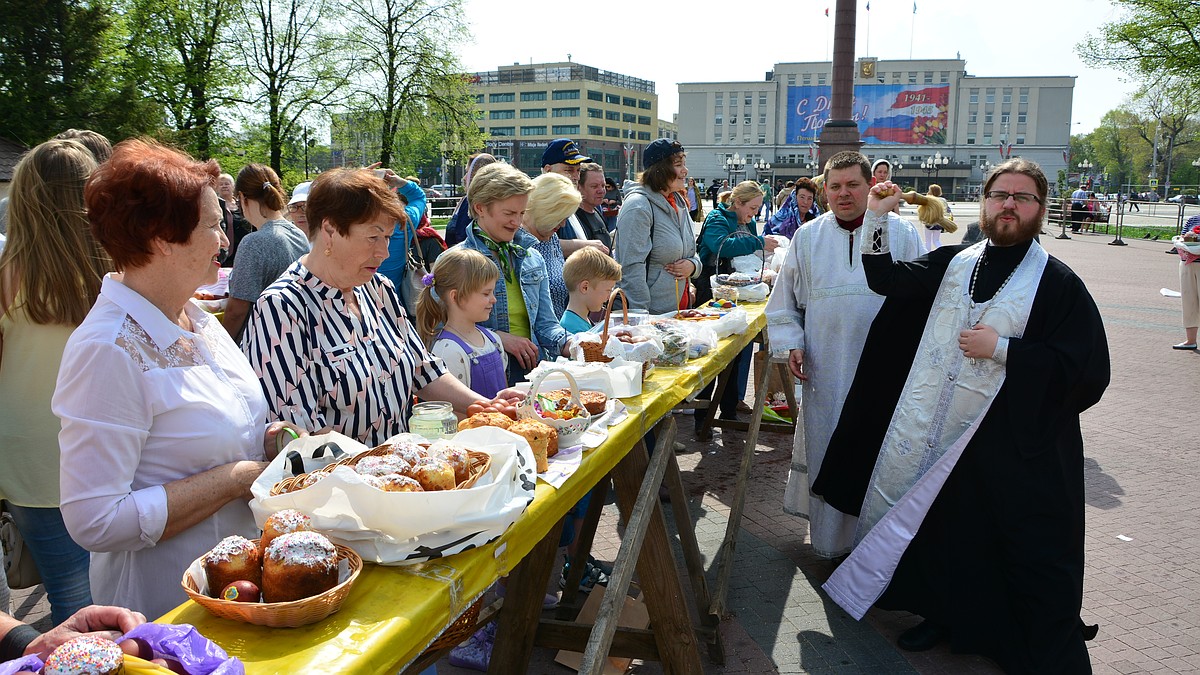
x=19 y=567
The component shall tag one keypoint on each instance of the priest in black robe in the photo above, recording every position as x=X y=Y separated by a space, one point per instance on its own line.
x=993 y=561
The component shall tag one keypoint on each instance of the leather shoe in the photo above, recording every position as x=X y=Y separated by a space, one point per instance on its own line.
x=921 y=637
x=1184 y=345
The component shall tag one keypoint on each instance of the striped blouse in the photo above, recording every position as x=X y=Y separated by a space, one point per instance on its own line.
x=322 y=367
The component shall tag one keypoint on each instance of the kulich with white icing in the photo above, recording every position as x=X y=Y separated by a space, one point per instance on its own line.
x=297 y=566
x=86 y=655
x=280 y=523
x=235 y=558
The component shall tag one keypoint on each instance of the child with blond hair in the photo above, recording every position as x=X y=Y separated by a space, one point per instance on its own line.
x=458 y=295
x=590 y=276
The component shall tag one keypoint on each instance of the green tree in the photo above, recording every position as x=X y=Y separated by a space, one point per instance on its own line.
x=184 y=55
x=408 y=83
x=1154 y=37
x=62 y=65
x=296 y=66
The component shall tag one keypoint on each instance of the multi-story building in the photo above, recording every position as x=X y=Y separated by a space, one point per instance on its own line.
x=913 y=113
x=522 y=108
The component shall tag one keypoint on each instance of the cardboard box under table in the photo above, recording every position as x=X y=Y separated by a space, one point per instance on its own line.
x=394 y=613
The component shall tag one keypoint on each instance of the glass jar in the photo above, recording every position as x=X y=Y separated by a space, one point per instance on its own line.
x=433 y=420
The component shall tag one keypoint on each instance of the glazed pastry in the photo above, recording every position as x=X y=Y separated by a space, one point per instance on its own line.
x=456 y=456
x=86 y=655
x=282 y=522
x=299 y=565
x=486 y=419
x=382 y=465
x=434 y=474
x=234 y=559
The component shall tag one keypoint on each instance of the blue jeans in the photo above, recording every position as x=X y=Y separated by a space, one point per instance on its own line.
x=62 y=564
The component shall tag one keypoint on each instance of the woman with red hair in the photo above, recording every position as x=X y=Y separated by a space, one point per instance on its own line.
x=163 y=426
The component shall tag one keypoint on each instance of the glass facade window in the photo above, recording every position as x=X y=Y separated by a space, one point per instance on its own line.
x=566 y=129
x=533 y=131
x=974 y=96
x=612 y=115
x=612 y=99
x=596 y=113
x=629 y=102
x=594 y=95
x=502 y=114
x=566 y=95
x=595 y=130
x=501 y=98
x=644 y=120
x=762 y=98
x=533 y=96
x=566 y=112
x=643 y=135
x=645 y=104
x=1020 y=118
x=628 y=117
x=719 y=119
x=612 y=133
x=504 y=131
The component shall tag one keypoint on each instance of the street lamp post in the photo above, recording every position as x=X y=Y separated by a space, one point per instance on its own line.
x=932 y=165
x=733 y=166
x=763 y=166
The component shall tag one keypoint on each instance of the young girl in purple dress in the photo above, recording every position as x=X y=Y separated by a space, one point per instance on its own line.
x=459 y=294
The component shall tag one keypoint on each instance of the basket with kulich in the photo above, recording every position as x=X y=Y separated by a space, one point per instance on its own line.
x=402 y=502
x=300 y=579
x=606 y=342
x=566 y=415
x=405 y=458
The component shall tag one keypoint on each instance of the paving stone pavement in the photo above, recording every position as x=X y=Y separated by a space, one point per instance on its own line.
x=1142 y=582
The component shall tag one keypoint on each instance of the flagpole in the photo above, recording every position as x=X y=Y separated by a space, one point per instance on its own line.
x=867 y=52
x=827 y=35
x=912 y=29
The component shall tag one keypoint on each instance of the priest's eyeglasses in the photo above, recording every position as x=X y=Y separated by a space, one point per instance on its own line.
x=999 y=197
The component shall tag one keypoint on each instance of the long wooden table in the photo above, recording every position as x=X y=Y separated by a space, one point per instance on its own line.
x=393 y=613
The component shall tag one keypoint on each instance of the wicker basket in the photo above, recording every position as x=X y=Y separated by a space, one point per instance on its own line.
x=593 y=352
x=280 y=614
x=569 y=431
x=460 y=630
x=480 y=463
x=738 y=284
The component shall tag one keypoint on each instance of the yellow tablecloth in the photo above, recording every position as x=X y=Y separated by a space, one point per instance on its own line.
x=394 y=613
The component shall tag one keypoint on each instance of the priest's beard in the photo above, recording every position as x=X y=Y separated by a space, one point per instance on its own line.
x=1006 y=233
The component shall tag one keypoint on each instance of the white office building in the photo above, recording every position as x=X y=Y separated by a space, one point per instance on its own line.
x=932 y=118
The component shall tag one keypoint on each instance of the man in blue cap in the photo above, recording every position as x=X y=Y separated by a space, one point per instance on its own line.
x=563 y=157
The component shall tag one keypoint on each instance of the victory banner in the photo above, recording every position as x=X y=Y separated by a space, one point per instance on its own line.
x=907 y=114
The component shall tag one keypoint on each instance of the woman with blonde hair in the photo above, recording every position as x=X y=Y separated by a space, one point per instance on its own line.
x=552 y=200
x=458 y=297
x=50 y=275
x=264 y=254
x=523 y=315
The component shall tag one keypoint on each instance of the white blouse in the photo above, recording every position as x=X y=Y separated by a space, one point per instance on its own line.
x=143 y=403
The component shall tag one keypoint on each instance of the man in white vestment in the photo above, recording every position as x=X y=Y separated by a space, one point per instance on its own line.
x=819 y=313
x=959 y=446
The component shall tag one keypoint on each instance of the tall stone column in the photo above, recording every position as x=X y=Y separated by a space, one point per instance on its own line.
x=841 y=132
